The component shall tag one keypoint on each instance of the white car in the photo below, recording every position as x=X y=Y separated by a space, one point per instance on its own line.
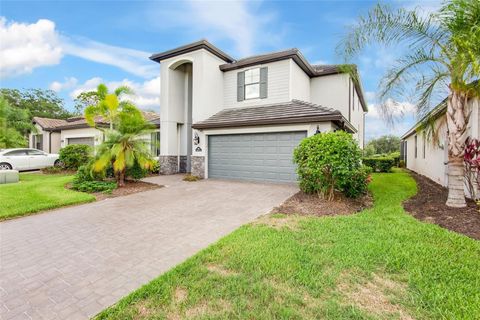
x=26 y=159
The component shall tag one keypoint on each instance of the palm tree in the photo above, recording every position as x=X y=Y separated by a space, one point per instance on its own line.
x=442 y=52
x=109 y=105
x=125 y=145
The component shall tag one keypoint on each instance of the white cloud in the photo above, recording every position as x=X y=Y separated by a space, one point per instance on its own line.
x=24 y=46
x=147 y=93
x=398 y=110
x=133 y=61
x=68 y=83
x=238 y=21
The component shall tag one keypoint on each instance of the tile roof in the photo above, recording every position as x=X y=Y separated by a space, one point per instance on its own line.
x=80 y=122
x=295 y=111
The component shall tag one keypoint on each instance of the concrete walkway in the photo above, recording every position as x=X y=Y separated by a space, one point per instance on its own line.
x=71 y=263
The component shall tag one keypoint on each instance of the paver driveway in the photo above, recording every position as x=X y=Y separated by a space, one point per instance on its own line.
x=73 y=262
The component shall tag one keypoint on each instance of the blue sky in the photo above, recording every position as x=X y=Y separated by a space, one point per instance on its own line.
x=71 y=46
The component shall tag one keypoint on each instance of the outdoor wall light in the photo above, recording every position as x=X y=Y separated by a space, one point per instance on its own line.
x=196 y=139
x=318 y=130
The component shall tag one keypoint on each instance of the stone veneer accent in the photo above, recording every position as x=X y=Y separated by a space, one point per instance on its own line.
x=168 y=164
x=198 y=166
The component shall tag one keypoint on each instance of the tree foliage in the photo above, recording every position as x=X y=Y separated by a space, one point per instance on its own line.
x=383 y=145
x=14 y=125
x=85 y=99
x=37 y=102
x=109 y=105
x=125 y=146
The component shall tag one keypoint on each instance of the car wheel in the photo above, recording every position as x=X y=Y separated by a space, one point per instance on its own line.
x=58 y=163
x=5 y=166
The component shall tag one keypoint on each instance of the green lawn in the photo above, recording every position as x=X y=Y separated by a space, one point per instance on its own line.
x=379 y=264
x=36 y=192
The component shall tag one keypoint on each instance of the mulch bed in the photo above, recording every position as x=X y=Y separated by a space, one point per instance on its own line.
x=130 y=187
x=429 y=206
x=313 y=205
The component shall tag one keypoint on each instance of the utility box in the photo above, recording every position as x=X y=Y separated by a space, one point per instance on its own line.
x=8 y=176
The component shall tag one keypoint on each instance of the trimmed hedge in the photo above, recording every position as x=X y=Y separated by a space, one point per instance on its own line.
x=75 y=155
x=329 y=162
x=380 y=164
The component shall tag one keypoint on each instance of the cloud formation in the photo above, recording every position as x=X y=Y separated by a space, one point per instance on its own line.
x=24 y=47
x=147 y=93
x=237 y=21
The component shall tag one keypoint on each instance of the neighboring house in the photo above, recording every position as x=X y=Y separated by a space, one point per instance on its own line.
x=428 y=157
x=53 y=134
x=241 y=119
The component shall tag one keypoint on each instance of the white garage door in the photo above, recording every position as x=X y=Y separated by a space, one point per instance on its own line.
x=87 y=141
x=256 y=156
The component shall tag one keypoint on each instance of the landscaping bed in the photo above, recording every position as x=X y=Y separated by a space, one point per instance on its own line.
x=130 y=187
x=312 y=204
x=429 y=205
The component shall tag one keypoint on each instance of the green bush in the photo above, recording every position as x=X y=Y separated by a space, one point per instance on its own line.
x=94 y=186
x=330 y=161
x=75 y=155
x=136 y=172
x=380 y=164
x=402 y=164
x=86 y=173
x=155 y=167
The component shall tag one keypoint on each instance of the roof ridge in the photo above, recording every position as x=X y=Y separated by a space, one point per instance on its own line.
x=268 y=53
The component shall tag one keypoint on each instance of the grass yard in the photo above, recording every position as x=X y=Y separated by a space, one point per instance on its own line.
x=378 y=264
x=37 y=192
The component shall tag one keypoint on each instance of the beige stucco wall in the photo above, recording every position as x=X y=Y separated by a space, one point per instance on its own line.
x=299 y=83
x=54 y=139
x=81 y=133
x=278 y=89
x=434 y=164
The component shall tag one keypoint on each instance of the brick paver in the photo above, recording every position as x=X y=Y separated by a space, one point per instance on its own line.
x=73 y=262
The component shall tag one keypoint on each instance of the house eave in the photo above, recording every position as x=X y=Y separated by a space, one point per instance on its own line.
x=202 y=44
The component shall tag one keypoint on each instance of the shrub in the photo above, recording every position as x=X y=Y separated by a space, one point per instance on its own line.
x=94 y=186
x=156 y=167
x=379 y=164
x=402 y=164
x=136 y=172
x=75 y=155
x=86 y=173
x=190 y=178
x=328 y=162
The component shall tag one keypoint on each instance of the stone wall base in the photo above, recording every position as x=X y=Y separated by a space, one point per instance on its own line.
x=198 y=166
x=168 y=164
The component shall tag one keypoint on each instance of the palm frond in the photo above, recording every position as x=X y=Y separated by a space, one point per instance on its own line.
x=124 y=90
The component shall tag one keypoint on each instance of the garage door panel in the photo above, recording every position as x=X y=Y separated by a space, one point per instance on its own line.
x=260 y=156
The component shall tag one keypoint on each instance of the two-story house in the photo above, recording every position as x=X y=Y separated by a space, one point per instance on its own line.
x=241 y=119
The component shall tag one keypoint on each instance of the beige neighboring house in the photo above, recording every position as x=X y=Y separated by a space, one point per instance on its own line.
x=54 y=134
x=430 y=159
x=241 y=119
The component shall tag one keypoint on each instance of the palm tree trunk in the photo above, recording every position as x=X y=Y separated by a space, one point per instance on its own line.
x=457 y=120
x=121 y=178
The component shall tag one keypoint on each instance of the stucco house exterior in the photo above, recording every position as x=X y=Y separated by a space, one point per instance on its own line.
x=430 y=158
x=53 y=134
x=241 y=119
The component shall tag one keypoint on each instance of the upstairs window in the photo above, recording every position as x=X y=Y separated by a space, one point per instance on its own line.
x=252 y=84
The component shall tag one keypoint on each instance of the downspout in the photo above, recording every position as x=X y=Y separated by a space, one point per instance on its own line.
x=49 y=141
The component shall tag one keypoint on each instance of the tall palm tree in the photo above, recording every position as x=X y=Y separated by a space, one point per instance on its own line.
x=125 y=145
x=109 y=105
x=442 y=51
